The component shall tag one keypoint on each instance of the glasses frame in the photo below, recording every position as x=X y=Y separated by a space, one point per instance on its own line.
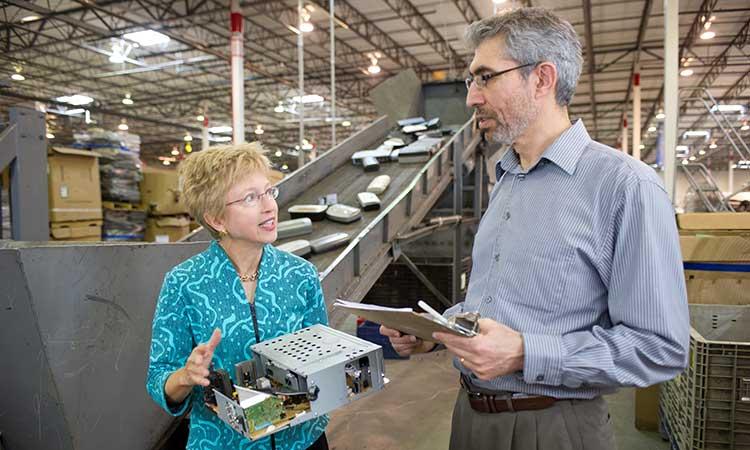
x=272 y=192
x=482 y=80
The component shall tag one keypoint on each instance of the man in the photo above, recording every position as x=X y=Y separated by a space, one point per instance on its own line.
x=576 y=264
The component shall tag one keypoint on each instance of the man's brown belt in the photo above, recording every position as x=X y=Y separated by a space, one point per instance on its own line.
x=487 y=403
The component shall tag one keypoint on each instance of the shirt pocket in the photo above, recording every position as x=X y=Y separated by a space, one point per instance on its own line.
x=537 y=277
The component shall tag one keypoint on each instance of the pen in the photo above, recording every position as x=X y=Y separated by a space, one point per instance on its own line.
x=435 y=315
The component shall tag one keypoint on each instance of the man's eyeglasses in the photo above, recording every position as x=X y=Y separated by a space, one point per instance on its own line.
x=481 y=80
x=252 y=198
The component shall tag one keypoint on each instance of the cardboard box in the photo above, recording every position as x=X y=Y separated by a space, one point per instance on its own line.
x=74 y=191
x=647 y=408
x=78 y=231
x=717 y=287
x=161 y=192
x=715 y=247
x=714 y=221
x=167 y=229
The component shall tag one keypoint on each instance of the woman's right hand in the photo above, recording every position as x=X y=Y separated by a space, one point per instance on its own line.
x=195 y=371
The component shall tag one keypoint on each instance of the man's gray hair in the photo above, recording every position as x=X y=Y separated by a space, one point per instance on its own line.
x=533 y=35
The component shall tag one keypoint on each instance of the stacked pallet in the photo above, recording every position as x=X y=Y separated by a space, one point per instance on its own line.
x=75 y=208
x=168 y=220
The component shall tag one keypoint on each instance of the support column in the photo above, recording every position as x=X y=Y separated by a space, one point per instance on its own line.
x=301 y=74
x=671 y=91
x=637 y=114
x=624 y=143
x=238 y=74
x=730 y=187
x=332 y=30
x=204 y=134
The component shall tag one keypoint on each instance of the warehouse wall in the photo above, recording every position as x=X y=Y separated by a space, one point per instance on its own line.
x=721 y=177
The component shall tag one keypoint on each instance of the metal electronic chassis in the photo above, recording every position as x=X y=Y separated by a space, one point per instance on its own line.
x=294 y=378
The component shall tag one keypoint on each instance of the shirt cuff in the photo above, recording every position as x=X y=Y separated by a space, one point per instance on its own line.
x=543 y=359
x=175 y=410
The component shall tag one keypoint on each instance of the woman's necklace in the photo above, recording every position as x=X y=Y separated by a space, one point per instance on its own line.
x=249 y=276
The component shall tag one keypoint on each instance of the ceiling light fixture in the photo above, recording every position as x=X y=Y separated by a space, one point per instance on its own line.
x=279 y=108
x=127 y=100
x=76 y=99
x=713 y=145
x=696 y=133
x=701 y=152
x=30 y=19
x=729 y=108
x=685 y=162
x=346 y=123
x=166 y=162
x=50 y=136
x=284 y=167
x=200 y=118
x=745 y=127
x=708 y=34
x=651 y=129
x=123 y=125
x=259 y=129
x=686 y=72
x=147 y=38
x=660 y=115
x=309 y=98
x=17 y=77
x=187 y=138
x=278 y=153
x=220 y=129
x=306 y=26
x=175 y=152
x=692 y=158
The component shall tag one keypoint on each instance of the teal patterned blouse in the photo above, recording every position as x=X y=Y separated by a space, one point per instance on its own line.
x=204 y=293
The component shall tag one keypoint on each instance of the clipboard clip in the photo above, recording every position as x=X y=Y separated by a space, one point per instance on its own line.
x=466 y=323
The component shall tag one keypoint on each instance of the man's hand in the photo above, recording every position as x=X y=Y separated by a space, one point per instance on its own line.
x=496 y=351
x=406 y=344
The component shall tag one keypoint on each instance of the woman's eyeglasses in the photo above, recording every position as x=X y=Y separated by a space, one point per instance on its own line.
x=252 y=198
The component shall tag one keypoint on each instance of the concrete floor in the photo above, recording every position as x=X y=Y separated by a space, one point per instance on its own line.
x=414 y=411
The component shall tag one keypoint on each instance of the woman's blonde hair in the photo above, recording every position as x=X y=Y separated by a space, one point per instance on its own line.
x=207 y=176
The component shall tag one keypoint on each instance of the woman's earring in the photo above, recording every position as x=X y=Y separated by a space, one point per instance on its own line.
x=223 y=234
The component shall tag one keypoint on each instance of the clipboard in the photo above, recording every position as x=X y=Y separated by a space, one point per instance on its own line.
x=421 y=325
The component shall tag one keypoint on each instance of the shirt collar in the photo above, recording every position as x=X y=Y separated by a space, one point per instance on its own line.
x=564 y=152
x=266 y=259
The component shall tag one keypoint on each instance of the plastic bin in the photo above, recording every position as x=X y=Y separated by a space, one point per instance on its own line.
x=707 y=407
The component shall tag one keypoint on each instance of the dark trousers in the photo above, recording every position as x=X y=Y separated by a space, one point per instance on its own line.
x=566 y=425
x=320 y=444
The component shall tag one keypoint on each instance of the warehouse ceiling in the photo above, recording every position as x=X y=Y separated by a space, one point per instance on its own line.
x=67 y=47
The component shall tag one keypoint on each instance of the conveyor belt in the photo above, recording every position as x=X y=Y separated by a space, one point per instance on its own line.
x=347 y=181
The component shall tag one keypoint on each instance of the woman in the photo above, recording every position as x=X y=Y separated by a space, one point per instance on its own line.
x=241 y=290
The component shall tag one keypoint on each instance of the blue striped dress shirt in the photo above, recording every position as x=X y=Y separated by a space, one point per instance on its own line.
x=580 y=253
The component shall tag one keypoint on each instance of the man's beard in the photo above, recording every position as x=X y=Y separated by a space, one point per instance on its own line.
x=523 y=112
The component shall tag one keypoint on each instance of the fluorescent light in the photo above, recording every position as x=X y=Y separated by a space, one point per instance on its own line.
x=147 y=37
x=284 y=167
x=728 y=108
x=685 y=162
x=692 y=158
x=745 y=127
x=346 y=123
x=50 y=136
x=708 y=34
x=220 y=129
x=682 y=148
x=686 y=72
x=17 y=77
x=166 y=162
x=660 y=115
x=309 y=98
x=30 y=18
x=306 y=27
x=200 y=118
x=123 y=126
x=374 y=69
x=187 y=138
x=701 y=152
x=651 y=129
x=278 y=153
x=279 y=108
x=259 y=130
x=641 y=146
x=713 y=145
x=222 y=138
x=175 y=152
x=307 y=146
x=76 y=99
x=74 y=111
x=127 y=100
x=696 y=133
